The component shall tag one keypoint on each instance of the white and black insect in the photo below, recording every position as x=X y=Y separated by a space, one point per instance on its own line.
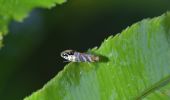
x=74 y=56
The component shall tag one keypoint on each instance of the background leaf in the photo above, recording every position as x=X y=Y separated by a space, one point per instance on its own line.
x=18 y=10
x=138 y=65
x=3 y=27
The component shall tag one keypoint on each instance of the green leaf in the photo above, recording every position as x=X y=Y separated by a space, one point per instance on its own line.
x=138 y=66
x=18 y=10
x=162 y=93
x=3 y=27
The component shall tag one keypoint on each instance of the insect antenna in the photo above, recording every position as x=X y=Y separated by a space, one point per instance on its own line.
x=66 y=61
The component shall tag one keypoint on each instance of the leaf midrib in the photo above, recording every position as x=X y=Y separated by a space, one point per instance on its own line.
x=156 y=86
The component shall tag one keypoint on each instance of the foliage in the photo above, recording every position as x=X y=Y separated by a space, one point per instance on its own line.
x=18 y=10
x=138 y=67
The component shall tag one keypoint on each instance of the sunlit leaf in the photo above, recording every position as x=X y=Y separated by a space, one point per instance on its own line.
x=138 y=66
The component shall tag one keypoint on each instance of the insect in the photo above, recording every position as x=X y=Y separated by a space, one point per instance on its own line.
x=74 y=56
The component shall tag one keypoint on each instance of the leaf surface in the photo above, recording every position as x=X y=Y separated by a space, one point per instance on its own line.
x=138 y=66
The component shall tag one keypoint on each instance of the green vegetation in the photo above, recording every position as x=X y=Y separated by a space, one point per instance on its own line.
x=138 y=67
x=18 y=10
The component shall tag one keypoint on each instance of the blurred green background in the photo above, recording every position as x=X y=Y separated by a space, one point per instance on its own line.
x=31 y=54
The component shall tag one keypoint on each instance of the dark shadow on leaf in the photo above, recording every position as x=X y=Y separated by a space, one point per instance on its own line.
x=103 y=58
